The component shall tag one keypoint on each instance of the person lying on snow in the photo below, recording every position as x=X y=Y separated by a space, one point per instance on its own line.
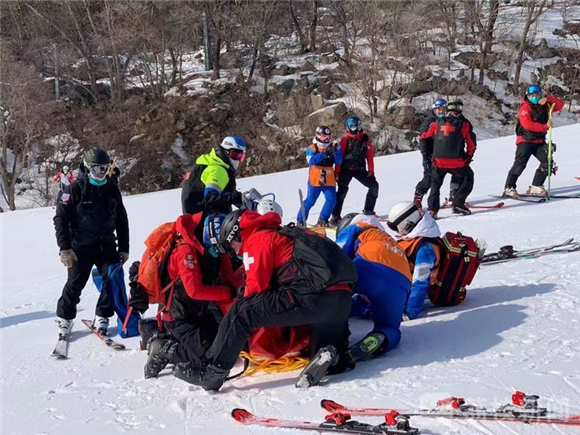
x=280 y=293
x=384 y=281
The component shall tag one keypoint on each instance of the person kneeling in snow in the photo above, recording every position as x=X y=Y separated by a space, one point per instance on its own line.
x=279 y=291
x=418 y=234
x=384 y=280
x=200 y=276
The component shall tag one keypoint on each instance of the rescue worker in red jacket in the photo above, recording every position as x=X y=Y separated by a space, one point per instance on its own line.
x=357 y=162
x=454 y=144
x=533 y=124
x=202 y=277
x=276 y=294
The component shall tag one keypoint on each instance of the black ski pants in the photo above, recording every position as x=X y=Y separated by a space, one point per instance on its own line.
x=424 y=185
x=524 y=151
x=194 y=335
x=78 y=275
x=370 y=182
x=326 y=313
x=464 y=177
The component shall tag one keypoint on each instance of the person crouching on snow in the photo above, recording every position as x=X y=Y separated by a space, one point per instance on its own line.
x=418 y=234
x=322 y=156
x=384 y=281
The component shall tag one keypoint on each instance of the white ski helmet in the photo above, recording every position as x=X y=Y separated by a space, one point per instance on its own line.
x=266 y=205
x=234 y=148
x=65 y=169
x=404 y=216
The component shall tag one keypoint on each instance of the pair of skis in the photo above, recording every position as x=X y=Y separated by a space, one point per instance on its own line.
x=61 y=349
x=507 y=253
x=523 y=409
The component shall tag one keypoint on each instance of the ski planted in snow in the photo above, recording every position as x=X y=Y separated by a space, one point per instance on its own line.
x=522 y=198
x=108 y=341
x=61 y=349
x=507 y=253
x=395 y=424
x=523 y=409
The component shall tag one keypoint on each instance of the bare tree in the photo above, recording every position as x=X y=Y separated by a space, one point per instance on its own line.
x=305 y=12
x=483 y=15
x=533 y=9
x=22 y=123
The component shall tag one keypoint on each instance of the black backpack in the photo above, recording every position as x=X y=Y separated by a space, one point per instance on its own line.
x=320 y=262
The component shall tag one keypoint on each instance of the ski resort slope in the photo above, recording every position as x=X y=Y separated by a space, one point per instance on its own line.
x=518 y=329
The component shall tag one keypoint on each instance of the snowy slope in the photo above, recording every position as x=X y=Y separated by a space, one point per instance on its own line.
x=518 y=329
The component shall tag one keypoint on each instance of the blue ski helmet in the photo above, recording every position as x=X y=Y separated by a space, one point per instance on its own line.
x=354 y=124
x=211 y=232
x=533 y=89
x=440 y=102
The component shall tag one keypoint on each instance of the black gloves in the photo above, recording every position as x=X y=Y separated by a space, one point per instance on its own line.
x=139 y=300
x=234 y=198
x=134 y=271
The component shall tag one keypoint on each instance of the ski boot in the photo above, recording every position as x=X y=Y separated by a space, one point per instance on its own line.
x=370 y=346
x=209 y=377
x=161 y=352
x=323 y=223
x=418 y=199
x=64 y=327
x=101 y=325
x=537 y=191
x=148 y=329
x=317 y=367
x=510 y=192
x=461 y=209
x=334 y=220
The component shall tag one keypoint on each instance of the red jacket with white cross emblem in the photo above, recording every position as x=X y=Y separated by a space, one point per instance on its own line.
x=263 y=251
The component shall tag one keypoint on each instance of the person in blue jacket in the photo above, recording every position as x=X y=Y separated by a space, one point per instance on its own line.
x=418 y=234
x=322 y=156
x=384 y=281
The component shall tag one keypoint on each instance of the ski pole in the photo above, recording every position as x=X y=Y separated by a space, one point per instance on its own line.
x=550 y=162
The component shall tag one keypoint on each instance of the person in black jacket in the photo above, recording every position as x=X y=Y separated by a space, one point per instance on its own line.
x=88 y=214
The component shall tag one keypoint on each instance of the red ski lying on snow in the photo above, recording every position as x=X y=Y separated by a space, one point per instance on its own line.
x=523 y=409
x=395 y=423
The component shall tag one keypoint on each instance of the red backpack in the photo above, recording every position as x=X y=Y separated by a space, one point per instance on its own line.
x=459 y=260
x=159 y=244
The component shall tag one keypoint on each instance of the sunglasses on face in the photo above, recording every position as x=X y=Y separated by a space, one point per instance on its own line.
x=238 y=155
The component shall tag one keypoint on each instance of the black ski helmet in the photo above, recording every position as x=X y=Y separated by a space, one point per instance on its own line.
x=230 y=229
x=455 y=106
x=96 y=157
x=345 y=222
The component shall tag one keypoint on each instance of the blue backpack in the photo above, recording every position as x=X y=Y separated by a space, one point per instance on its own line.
x=117 y=293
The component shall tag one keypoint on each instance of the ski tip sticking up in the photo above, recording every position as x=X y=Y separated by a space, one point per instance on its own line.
x=61 y=349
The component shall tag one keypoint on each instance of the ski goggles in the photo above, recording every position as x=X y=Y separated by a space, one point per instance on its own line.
x=323 y=138
x=99 y=170
x=352 y=124
x=237 y=155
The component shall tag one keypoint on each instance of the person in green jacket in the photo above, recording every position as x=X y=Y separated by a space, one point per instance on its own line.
x=210 y=185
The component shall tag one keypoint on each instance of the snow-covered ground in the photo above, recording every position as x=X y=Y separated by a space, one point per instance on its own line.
x=518 y=328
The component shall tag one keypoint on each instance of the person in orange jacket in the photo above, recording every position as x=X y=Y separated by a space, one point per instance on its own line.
x=322 y=156
x=533 y=124
x=384 y=281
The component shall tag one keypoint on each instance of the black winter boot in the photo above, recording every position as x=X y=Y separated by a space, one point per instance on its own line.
x=461 y=210
x=161 y=353
x=209 y=377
